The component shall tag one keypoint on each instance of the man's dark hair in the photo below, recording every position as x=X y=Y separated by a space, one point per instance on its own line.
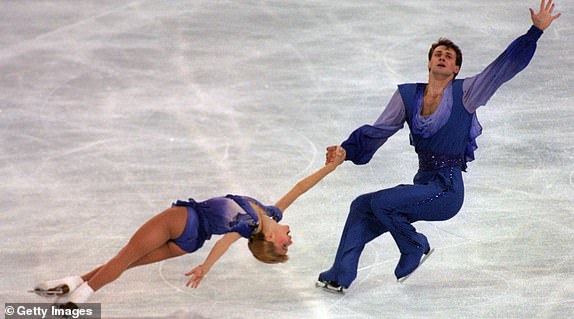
x=449 y=45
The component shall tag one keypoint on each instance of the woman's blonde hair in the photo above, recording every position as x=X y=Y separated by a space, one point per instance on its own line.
x=264 y=250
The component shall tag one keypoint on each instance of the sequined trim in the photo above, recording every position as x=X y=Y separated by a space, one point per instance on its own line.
x=431 y=161
x=443 y=192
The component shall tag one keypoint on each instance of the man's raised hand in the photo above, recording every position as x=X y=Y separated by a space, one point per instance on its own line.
x=544 y=17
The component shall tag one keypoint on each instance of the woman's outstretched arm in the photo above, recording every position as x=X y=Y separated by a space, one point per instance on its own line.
x=217 y=251
x=308 y=182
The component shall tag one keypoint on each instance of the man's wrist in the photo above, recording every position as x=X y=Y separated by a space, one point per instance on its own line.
x=535 y=32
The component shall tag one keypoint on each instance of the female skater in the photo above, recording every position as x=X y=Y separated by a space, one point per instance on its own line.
x=184 y=228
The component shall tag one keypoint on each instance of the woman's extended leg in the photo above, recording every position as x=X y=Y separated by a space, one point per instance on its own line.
x=159 y=230
x=168 y=250
x=150 y=243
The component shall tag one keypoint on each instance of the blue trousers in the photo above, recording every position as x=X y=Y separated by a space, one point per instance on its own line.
x=435 y=195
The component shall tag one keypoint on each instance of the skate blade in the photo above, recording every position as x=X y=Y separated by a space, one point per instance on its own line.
x=48 y=292
x=426 y=256
x=329 y=288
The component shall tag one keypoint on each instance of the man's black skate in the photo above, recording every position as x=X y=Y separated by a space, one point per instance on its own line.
x=330 y=286
x=402 y=278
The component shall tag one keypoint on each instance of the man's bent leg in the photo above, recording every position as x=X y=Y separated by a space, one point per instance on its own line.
x=360 y=228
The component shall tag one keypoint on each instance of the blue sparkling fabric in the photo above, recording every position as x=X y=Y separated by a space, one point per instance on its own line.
x=231 y=213
x=430 y=161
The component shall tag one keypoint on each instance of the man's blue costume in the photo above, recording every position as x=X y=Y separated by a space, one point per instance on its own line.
x=444 y=142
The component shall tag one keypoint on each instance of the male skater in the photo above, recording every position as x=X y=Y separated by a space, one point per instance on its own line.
x=443 y=128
